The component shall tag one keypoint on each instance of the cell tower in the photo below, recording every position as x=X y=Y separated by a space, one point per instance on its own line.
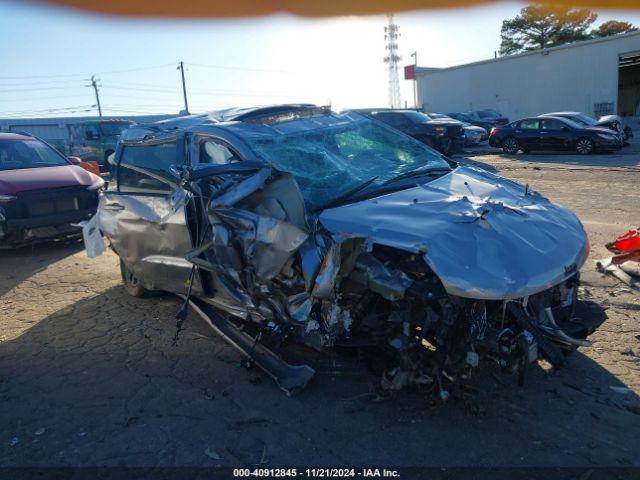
x=391 y=34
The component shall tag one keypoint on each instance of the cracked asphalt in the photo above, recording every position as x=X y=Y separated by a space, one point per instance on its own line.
x=89 y=375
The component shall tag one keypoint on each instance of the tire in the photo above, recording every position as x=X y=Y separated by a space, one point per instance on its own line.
x=510 y=145
x=132 y=284
x=584 y=146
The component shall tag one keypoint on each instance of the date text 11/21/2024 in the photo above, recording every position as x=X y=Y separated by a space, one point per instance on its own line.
x=316 y=473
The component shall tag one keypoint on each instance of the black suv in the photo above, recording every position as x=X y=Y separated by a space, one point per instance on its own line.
x=445 y=136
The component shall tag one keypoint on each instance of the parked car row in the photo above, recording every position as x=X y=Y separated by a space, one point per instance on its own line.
x=562 y=131
x=445 y=135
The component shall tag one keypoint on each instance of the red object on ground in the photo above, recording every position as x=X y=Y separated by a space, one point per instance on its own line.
x=626 y=243
x=91 y=166
x=627 y=247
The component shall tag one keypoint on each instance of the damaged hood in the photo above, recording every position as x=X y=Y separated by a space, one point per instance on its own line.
x=484 y=236
x=22 y=180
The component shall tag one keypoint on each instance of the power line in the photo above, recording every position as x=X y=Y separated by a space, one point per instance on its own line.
x=48 y=110
x=244 y=69
x=67 y=75
x=27 y=99
x=38 y=89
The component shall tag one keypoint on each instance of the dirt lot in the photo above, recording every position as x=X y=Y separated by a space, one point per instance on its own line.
x=88 y=375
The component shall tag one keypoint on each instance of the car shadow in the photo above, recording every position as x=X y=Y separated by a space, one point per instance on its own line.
x=21 y=263
x=101 y=382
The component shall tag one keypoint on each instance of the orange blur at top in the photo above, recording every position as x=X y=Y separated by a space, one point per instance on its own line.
x=305 y=8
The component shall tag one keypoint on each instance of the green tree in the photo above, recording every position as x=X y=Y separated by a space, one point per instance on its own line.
x=613 y=27
x=538 y=26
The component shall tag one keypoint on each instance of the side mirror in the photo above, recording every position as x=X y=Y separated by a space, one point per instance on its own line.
x=75 y=160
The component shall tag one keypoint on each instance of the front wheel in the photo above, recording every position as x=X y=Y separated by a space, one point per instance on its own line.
x=584 y=146
x=510 y=145
x=132 y=283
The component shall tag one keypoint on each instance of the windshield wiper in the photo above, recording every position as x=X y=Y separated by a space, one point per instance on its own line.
x=416 y=173
x=346 y=196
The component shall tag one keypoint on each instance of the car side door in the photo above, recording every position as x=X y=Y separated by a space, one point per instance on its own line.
x=554 y=134
x=143 y=216
x=528 y=133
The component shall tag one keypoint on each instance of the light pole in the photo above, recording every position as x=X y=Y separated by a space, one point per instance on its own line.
x=415 y=79
x=184 y=87
x=94 y=84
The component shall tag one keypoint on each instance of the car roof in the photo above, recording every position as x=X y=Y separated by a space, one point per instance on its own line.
x=230 y=123
x=385 y=110
x=16 y=136
x=545 y=117
x=555 y=114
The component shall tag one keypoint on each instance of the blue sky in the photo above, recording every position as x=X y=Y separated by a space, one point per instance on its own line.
x=49 y=54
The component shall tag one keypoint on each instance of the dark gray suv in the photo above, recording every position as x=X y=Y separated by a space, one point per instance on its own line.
x=308 y=226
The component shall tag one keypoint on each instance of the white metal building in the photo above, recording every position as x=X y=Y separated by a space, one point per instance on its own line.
x=57 y=128
x=598 y=77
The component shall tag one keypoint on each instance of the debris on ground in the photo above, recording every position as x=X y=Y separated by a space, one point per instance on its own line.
x=624 y=264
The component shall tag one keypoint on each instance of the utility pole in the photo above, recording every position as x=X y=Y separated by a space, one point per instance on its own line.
x=391 y=34
x=94 y=84
x=415 y=79
x=184 y=87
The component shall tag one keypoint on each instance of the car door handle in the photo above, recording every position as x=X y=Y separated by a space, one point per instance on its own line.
x=116 y=207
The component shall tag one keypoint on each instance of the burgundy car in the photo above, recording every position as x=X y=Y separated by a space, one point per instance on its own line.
x=42 y=193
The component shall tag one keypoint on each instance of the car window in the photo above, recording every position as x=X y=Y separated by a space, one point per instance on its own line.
x=488 y=113
x=216 y=153
x=147 y=168
x=393 y=119
x=18 y=154
x=552 y=124
x=92 y=132
x=530 y=123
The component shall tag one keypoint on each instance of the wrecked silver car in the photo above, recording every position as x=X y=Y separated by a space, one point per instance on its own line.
x=297 y=224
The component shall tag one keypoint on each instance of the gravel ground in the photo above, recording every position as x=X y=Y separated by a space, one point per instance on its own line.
x=89 y=376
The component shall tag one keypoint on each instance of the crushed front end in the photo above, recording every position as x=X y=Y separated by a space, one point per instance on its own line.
x=321 y=281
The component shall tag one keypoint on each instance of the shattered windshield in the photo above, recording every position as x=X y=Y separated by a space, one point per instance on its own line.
x=330 y=158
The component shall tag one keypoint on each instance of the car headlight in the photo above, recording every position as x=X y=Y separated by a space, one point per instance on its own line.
x=7 y=198
x=97 y=184
x=606 y=136
x=440 y=130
